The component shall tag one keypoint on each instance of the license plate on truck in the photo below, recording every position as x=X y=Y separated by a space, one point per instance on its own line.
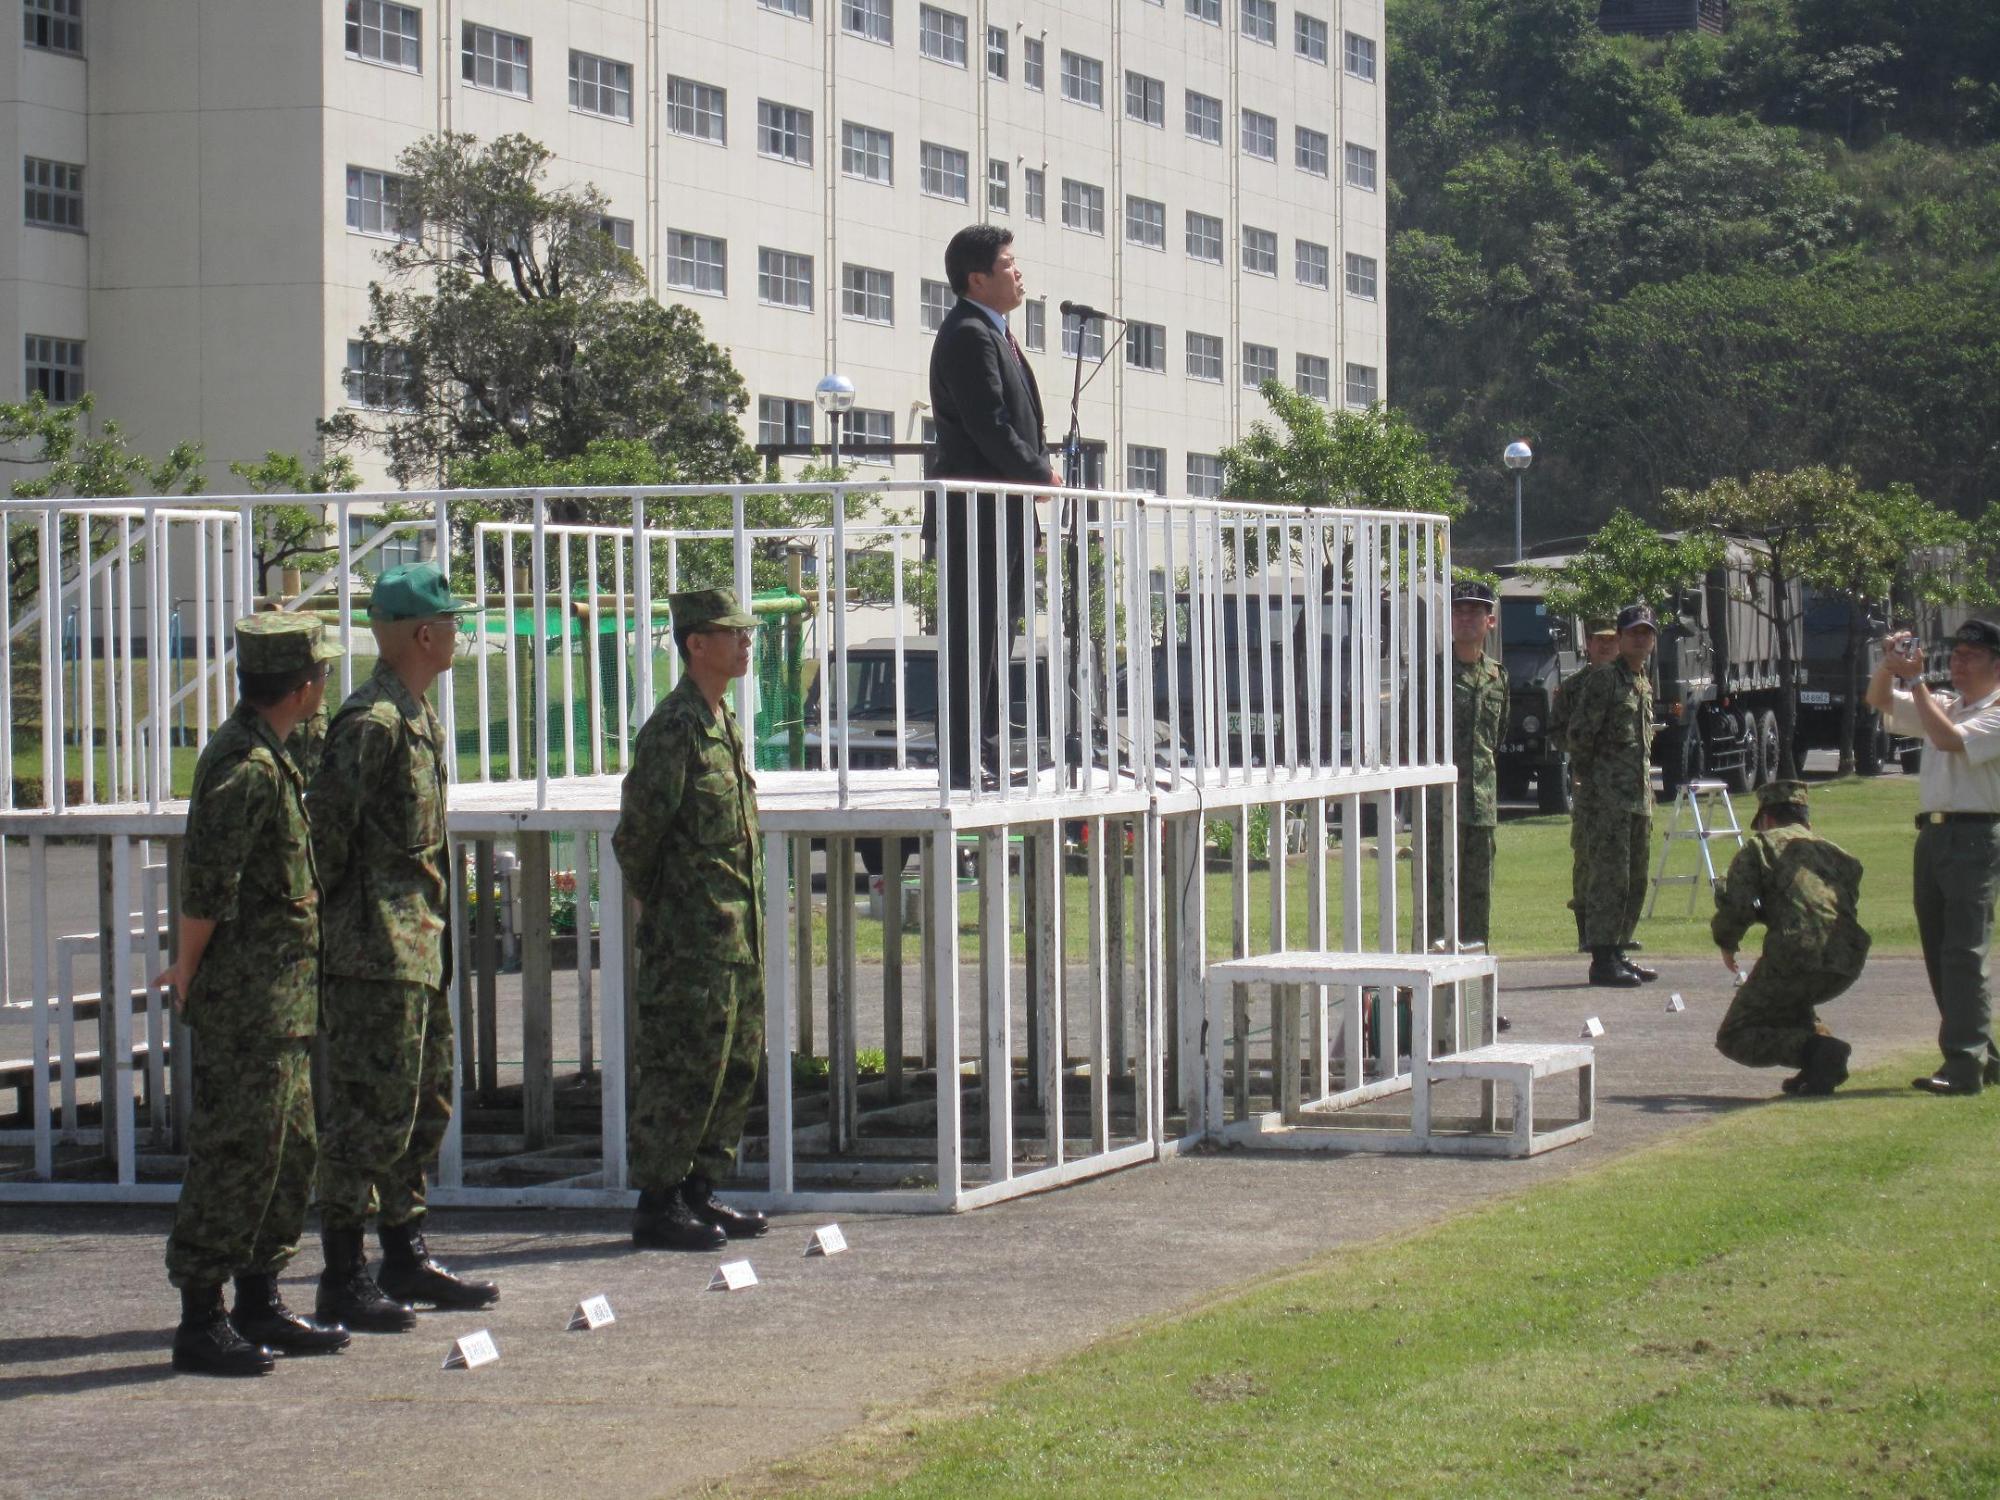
x=1816 y=699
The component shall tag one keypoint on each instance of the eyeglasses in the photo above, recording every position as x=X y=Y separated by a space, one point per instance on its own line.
x=738 y=632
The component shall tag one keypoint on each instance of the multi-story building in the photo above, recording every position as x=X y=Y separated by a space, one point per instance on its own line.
x=206 y=185
x=1663 y=17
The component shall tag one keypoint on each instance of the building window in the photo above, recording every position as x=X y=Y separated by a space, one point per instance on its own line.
x=1082 y=207
x=1083 y=80
x=1260 y=363
x=52 y=193
x=377 y=32
x=868 y=19
x=496 y=60
x=1206 y=10
x=785 y=133
x=1035 y=324
x=801 y=9
x=934 y=300
x=1260 y=251
x=619 y=231
x=1204 y=356
x=785 y=279
x=865 y=153
x=782 y=421
x=1145 y=99
x=1309 y=151
x=1361 y=167
x=867 y=294
x=378 y=377
x=861 y=428
x=1146 y=469
x=941 y=35
x=996 y=52
x=1204 y=476
x=1311 y=263
x=375 y=205
x=1031 y=63
x=1360 y=53
x=1260 y=135
x=1204 y=118
x=55 y=368
x=997 y=185
x=1361 y=276
x=1260 y=21
x=599 y=86
x=697 y=262
x=1204 y=238
x=1034 y=194
x=1085 y=334
x=697 y=110
x=1146 y=346
x=1312 y=379
x=1146 y=222
x=1361 y=385
x=1309 y=37
x=941 y=172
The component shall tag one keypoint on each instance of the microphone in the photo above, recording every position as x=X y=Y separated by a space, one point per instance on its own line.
x=1081 y=310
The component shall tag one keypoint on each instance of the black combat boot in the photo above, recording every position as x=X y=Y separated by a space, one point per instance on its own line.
x=206 y=1344
x=737 y=1223
x=1826 y=1067
x=1646 y=975
x=262 y=1317
x=410 y=1275
x=1608 y=970
x=348 y=1294
x=665 y=1222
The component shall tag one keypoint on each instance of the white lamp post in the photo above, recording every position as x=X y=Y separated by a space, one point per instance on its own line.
x=1518 y=456
x=835 y=395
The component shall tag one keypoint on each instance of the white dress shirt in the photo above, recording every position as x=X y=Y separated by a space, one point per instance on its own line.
x=1952 y=781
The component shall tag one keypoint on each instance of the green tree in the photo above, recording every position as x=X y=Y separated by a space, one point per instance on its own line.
x=1319 y=456
x=292 y=535
x=1628 y=561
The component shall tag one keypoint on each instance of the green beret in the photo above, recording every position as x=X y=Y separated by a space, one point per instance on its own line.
x=272 y=645
x=708 y=609
x=1781 y=794
x=413 y=591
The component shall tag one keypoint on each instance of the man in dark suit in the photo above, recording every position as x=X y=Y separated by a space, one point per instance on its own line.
x=988 y=412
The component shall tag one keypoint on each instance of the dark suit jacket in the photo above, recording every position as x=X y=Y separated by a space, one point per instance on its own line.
x=986 y=405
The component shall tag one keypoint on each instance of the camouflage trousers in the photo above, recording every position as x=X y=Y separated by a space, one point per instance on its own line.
x=1616 y=848
x=1770 y=1023
x=250 y=1162
x=701 y=1039
x=1579 y=867
x=388 y=1099
x=1475 y=879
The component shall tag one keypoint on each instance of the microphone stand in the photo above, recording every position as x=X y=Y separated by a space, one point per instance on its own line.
x=1072 y=526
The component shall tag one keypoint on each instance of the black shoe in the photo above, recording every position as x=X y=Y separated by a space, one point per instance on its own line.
x=1791 y=1085
x=1608 y=971
x=206 y=1344
x=1990 y=1074
x=1501 y=1023
x=1646 y=975
x=349 y=1295
x=663 y=1221
x=1826 y=1067
x=410 y=1275
x=262 y=1317
x=737 y=1223
x=1945 y=1083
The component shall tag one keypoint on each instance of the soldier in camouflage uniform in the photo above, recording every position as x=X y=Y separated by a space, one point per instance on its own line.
x=377 y=807
x=1600 y=645
x=1804 y=889
x=688 y=846
x=307 y=743
x=1478 y=723
x=246 y=979
x=1610 y=745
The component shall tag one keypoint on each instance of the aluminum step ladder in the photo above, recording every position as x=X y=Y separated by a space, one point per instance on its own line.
x=1696 y=821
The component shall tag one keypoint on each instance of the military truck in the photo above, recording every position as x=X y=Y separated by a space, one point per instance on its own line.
x=1540 y=650
x=1823 y=694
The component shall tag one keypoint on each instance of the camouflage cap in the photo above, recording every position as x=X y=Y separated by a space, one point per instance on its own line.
x=1600 y=625
x=1472 y=591
x=1781 y=794
x=272 y=645
x=413 y=591
x=708 y=609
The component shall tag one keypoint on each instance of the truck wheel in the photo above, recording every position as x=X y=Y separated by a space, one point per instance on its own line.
x=1742 y=777
x=1680 y=759
x=1870 y=745
x=872 y=861
x=1552 y=790
x=1767 y=744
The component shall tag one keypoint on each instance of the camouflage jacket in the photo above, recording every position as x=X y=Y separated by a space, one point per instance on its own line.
x=247 y=865
x=1804 y=889
x=307 y=743
x=687 y=835
x=1611 y=739
x=1559 y=702
x=1478 y=725
x=377 y=805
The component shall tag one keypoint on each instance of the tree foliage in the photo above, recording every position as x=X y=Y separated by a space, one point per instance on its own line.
x=1628 y=561
x=292 y=535
x=1322 y=457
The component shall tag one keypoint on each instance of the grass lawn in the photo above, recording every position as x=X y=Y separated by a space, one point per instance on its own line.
x=1794 y=1301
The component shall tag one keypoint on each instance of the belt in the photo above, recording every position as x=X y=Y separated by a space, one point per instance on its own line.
x=1926 y=819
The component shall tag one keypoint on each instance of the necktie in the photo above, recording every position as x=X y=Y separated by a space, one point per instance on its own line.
x=1019 y=358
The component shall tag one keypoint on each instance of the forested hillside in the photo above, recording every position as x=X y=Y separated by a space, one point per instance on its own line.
x=1664 y=263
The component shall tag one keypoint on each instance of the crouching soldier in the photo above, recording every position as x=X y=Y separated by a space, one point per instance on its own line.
x=247 y=981
x=1803 y=888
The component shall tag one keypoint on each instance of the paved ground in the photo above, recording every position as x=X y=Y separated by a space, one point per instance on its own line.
x=690 y=1387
